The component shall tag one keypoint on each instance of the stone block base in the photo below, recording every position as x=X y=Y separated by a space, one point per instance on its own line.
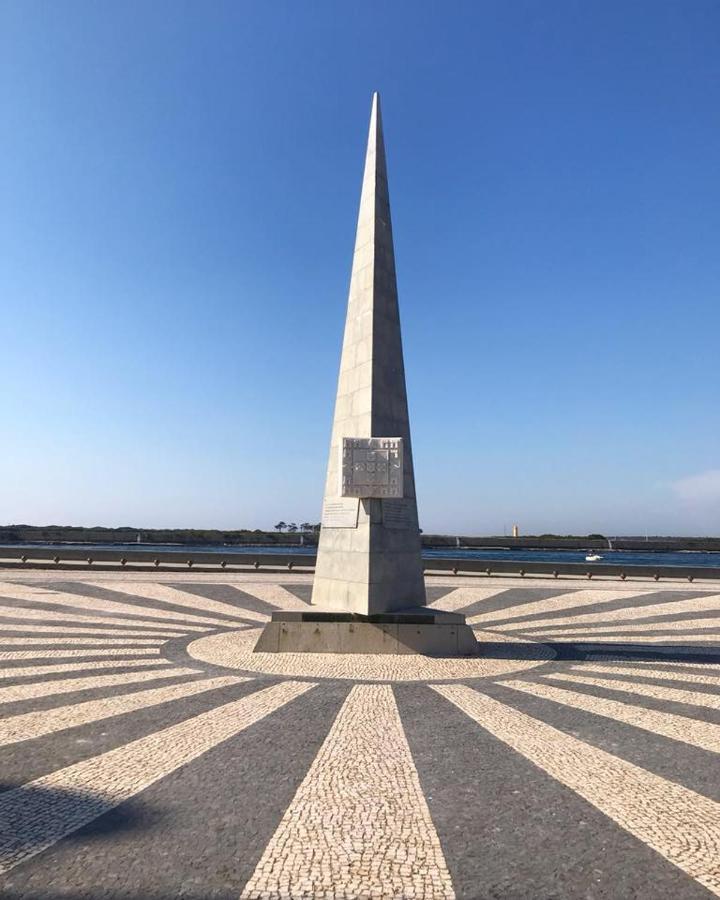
x=422 y=631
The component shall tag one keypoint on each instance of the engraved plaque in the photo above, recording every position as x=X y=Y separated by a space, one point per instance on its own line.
x=372 y=467
x=340 y=513
x=396 y=514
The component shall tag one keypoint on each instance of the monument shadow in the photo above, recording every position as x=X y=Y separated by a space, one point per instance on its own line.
x=591 y=652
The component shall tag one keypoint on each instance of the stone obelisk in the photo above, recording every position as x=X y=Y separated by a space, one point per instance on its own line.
x=369 y=591
x=369 y=552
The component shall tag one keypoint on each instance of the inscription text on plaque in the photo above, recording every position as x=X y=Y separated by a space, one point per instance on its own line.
x=396 y=514
x=340 y=513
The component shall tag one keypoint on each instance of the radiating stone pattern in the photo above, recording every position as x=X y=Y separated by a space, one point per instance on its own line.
x=80 y=793
x=13 y=693
x=610 y=694
x=359 y=825
x=680 y=824
x=24 y=726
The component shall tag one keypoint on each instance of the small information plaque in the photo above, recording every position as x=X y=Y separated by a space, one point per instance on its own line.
x=340 y=513
x=372 y=467
x=396 y=514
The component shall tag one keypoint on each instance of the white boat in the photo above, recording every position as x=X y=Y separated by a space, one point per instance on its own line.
x=592 y=557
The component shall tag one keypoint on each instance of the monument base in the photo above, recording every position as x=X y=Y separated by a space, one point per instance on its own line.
x=418 y=630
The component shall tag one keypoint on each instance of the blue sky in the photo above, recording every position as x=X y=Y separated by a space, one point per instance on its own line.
x=178 y=193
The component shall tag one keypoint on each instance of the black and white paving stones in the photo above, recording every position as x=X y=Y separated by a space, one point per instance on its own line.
x=146 y=752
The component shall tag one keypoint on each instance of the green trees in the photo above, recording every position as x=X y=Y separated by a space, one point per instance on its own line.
x=293 y=527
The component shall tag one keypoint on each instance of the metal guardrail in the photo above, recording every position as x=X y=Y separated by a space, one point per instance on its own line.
x=169 y=559
x=576 y=570
x=172 y=560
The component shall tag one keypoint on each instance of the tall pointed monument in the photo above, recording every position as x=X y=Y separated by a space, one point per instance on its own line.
x=369 y=591
x=369 y=553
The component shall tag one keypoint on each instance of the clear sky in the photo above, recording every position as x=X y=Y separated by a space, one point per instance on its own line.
x=178 y=193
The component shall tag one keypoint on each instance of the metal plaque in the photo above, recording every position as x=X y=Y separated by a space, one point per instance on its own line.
x=397 y=514
x=372 y=467
x=340 y=513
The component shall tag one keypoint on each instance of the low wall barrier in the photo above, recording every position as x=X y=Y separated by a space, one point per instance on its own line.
x=569 y=569
x=172 y=560
x=159 y=559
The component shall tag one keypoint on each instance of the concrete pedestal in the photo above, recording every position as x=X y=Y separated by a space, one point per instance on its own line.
x=417 y=630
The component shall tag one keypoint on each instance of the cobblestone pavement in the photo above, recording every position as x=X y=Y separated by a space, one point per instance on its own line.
x=146 y=752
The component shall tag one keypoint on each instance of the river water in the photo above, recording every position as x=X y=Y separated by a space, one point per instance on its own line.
x=621 y=557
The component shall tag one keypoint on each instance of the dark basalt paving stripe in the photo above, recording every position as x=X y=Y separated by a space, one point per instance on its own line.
x=673 y=618
x=89 y=633
x=101 y=593
x=87 y=614
x=629 y=667
x=15 y=707
x=678 y=762
x=628 y=678
x=102 y=627
x=588 y=650
x=25 y=761
x=21 y=675
x=641 y=671
x=228 y=593
x=200 y=831
x=624 y=693
x=510 y=599
x=508 y=830
x=631 y=601
x=60 y=644
x=638 y=635
x=91 y=657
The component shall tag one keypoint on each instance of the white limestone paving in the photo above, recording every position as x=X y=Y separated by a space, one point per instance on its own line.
x=359 y=820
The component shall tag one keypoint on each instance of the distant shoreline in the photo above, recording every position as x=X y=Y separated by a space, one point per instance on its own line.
x=453 y=557
x=31 y=535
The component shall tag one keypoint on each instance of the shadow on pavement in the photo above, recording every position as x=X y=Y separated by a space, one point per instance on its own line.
x=578 y=650
x=34 y=817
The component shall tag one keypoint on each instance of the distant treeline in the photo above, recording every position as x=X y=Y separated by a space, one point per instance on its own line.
x=205 y=537
x=128 y=535
x=574 y=542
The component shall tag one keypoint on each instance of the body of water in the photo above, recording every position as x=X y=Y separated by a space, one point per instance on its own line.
x=619 y=557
